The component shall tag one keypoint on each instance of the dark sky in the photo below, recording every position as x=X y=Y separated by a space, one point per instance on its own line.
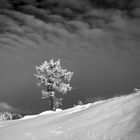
x=99 y=41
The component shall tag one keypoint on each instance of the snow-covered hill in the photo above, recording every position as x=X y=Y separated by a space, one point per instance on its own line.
x=114 y=119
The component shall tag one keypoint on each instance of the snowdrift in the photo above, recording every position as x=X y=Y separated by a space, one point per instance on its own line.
x=114 y=119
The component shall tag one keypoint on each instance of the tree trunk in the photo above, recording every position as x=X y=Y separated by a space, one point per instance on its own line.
x=52 y=104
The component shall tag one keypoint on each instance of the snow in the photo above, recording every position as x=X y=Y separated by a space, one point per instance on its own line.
x=48 y=112
x=114 y=119
x=29 y=117
x=43 y=113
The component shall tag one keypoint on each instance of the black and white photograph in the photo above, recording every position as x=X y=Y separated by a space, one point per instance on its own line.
x=69 y=69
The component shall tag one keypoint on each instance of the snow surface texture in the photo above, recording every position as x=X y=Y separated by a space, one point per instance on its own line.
x=114 y=119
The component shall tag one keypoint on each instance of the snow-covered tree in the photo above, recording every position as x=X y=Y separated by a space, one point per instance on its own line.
x=52 y=79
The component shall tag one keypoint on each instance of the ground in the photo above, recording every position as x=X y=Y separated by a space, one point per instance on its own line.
x=114 y=119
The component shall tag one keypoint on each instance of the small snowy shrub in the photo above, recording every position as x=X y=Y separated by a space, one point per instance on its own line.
x=52 y=78
x=5 y=116
x=78 y=103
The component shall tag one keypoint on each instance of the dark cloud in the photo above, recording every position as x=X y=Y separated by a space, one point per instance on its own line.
x=25 y=30
x=4 y=4
x=55 y=10
x=136 y=12
x=17 y=3
x=78 y=6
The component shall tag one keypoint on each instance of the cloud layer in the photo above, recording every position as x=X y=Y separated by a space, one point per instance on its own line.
x=114 y=28
x=101 y=46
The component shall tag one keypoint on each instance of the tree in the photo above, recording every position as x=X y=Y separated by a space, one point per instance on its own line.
x=5 y=116
x=52 y=79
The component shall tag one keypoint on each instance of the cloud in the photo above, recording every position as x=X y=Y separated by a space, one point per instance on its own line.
x=32 y=10
x=22 y=2
x=26 y=31
x=6 y=107
x=136 y=12
x=77 y=6
x=5 y=4
x=84 y=43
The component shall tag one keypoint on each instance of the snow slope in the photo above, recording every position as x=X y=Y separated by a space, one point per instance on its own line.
x=114 y=119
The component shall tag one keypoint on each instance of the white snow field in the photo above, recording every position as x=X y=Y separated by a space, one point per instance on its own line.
x=114 y=119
